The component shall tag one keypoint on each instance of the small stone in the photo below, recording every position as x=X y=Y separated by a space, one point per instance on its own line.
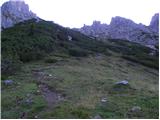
x=69 y=38
x=104 y=100
x=59 y=97
x=29 y=101
x=50 y=75
x=123 y=82
x=97 y=117
x=8 y=82
x=136 y=109
x=38 y=91
x=36 y=116
x=18 y=83
x=28 y=95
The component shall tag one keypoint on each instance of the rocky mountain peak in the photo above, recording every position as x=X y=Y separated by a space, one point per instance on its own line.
x=15 y=11
x=125 y=29
x=121 y=21
x=154 y=24
x=96 y=23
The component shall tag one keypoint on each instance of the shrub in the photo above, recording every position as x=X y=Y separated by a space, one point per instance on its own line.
x=30 y=55
x=9 y=66
x=81 y=112
x=153 y=63
x=50 y=60
x=77 y=52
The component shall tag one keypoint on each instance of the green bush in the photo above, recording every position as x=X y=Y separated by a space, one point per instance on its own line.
x=51 y=60
x=81 y=113
x=30 y=55
x=9 y=66
x=77 y=52
x=153 y=63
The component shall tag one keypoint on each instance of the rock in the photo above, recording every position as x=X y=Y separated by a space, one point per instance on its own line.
x=29 y=101
x=36 y=117
x=60 y=97
x=123 y=82
x=97 y=117
x=23 y=115
x=135 y=112
x=13 y=12
x=126 y=29
x=28 y=95
x=136 y=109
x=8 y=82
x=121 y=87
x=154 y=24
x=99 y=56
x=50 y=75
x=18 y=83
x=38 y=91
x=96 y=30
x=103 y=100
x=152 y=53
x=69 y=38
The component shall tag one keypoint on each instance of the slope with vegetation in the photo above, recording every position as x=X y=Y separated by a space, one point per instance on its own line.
x=61 y=73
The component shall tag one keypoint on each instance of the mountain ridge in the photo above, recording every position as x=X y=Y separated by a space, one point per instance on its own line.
x=123 y=28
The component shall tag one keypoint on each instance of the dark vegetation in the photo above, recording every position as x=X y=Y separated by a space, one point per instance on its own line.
x=135 y=52
x=31 y=40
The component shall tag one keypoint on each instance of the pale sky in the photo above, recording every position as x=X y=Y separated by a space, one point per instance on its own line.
x=76 y=13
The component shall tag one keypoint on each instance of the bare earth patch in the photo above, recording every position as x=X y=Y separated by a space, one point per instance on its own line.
x=51 y=96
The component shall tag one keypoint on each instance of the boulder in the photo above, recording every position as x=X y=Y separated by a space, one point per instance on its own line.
x=8 y=82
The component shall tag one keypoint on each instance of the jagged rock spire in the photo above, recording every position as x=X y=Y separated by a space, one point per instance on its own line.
x=154 y=24
x=15 y=11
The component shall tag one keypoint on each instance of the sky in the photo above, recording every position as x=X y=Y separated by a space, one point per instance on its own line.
x=76 y=13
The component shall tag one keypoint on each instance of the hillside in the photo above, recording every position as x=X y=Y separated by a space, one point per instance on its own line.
x=55 y=72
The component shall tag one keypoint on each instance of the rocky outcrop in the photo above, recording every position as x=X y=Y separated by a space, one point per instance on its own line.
x=13 y=12
x=126 y=29
x=154 y=25
x=121 y=28
x=95 y=30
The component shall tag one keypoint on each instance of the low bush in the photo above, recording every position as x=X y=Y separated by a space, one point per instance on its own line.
x=77 y=52
x=51 y=60
x=9 y=66
x=153 y=63
x=30 y=55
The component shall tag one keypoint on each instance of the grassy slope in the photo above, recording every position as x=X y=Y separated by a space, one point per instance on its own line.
x=84 y=82
x=30 y=41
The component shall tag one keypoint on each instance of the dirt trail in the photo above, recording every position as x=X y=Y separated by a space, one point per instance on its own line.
x=51 y=96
